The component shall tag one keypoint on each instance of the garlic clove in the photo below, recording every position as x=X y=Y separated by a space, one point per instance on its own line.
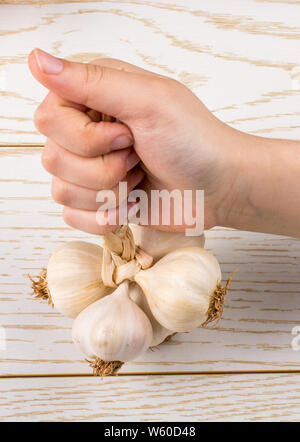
x=159 y=243
x=160 y=333
x=181 y=288
x=74 y=277
x=113 y=328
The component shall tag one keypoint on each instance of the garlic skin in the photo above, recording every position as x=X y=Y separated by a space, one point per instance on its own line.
x=180 y=287
x=74 y=277
x=160 y=333
x=113 y=328
x=159 y=243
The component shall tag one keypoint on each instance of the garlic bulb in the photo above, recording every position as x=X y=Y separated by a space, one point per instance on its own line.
x=160 y=333
x=183 y=289
x=74 y=277
x=113 y=328
x=159 y=242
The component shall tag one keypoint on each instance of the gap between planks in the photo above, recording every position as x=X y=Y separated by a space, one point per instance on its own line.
x=22 y=145
x=154 y=373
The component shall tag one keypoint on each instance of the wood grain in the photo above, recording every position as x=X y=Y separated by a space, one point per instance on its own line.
x=241 y=59
x=256 y=330
x=152 y=398
x=238 y=57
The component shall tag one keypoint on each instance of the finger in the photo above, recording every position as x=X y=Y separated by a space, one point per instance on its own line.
x=103 y=172
x=86 y=221
x=69 y=125
x=78 y=197
x=95 y=222
x=121 y=65
x=112 y=91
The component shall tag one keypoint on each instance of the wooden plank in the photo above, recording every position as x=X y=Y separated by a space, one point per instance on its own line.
x=255 y=333
x=238 y=57
x=152 y=398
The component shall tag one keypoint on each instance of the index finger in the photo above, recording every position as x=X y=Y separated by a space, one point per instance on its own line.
x=70 y=125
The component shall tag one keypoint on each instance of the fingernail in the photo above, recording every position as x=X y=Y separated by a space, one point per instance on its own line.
x=122 y=142
x=132 y=160
x=47 y=63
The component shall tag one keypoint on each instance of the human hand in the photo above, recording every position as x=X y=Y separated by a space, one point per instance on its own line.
x=180 y=143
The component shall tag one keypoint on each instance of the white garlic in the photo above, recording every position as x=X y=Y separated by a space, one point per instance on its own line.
x=160 y=333
x=159 y=242
x=113 y=328
x=74 y=277
x=182 y=288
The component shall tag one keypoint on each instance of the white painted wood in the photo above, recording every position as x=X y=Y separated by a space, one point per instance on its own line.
x=240 y=58
x=152 y=398
x=262 y=309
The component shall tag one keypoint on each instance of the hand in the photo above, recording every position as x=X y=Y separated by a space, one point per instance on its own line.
x=180 y=143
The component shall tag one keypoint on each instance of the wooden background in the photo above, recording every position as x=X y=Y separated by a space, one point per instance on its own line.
x=242 y=58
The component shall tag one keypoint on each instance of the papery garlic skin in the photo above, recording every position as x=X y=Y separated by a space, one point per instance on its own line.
x=180 y=287
x=160 y=333
x=113 y=328
x=159 y=243
x=74 y=277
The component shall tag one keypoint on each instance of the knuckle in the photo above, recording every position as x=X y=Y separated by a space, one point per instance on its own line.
x=50 y=160
x=109 y=62
x=93 y=77
x=41 y=119
x=67 y=217
x=59 y=192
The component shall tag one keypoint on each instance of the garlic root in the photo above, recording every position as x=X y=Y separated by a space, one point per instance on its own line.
x=103 y=368
x=40 y=289
x=217 y=303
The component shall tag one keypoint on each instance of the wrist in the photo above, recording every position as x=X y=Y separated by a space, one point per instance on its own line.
x=231 y=182
x=263 y=194
x=245 y=185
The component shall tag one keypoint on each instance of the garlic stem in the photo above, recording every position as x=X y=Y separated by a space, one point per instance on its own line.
x=121 y=258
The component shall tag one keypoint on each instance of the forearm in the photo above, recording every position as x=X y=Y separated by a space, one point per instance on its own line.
x=265 y=193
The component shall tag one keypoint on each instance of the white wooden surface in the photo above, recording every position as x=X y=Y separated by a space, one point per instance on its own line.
x=242 y=59
x=255 y=333
x=237 y=56
x=161 y=398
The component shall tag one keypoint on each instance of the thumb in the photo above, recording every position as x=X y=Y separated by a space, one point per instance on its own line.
x=111 y=91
